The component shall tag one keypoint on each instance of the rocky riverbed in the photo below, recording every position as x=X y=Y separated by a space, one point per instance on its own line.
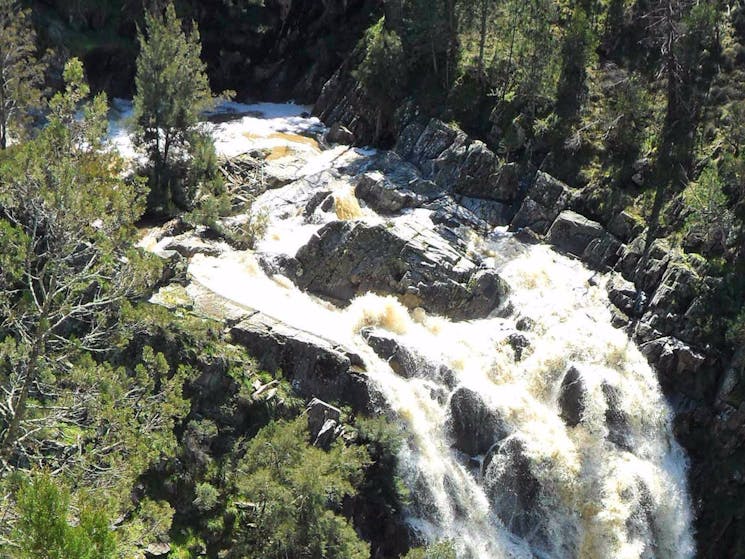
x=387 y=282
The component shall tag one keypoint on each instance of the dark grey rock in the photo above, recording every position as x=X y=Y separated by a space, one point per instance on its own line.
x=622 y=294
x=625 y=226
x=572 y=397
x=345 y=259
x=339 y=134
x=323 y=423
x=383 y=196
x=513 y=490
x=314 y=366
x=475 y=428
x=572 y=232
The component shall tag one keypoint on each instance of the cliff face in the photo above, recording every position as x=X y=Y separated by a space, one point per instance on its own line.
x=272 y=50
x=662 y=296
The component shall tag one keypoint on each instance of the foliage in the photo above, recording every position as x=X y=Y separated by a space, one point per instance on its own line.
x=45 y=531
x=439 y=550
x=67 y=221
x=287 y=493
x=707 y=204
x=172 y=91
x=21 y=73
x=382 y=71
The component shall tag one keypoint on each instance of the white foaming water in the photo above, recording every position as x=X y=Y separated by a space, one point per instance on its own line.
x=613 y=486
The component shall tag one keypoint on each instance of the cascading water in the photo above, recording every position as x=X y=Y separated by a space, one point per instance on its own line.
x=584 y=463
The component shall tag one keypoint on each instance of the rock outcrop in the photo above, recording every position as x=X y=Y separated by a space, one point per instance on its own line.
x=314 y=366
x=345 y=259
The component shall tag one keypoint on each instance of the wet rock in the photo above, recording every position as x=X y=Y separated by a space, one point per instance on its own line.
x=616 y=419
x=323 y=423
x=345 y=259
x=544 y=201
x=434 y=139
x=446 y=211
x=572 y=232
x=475 y=428
x=188 y=246
x=383 y=196
x=572 y=397
x=512 y=487
x=315 y=202
x=519 y=344
x=641 y=523
x=314 y=366
x=405 y=362
x=339 y=134
x=525 y=323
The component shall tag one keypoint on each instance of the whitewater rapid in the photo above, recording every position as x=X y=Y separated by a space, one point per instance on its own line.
x=594 y=497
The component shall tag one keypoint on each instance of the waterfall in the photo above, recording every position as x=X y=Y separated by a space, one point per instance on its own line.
x=539 y=431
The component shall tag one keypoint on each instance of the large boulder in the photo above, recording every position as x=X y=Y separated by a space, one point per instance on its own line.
x=623 y=295
x=323 y=423
x=432 y=141
x=475 y=427
x=679 y=366
x=314 y=366
x=572 y=394
x=545 y=200
x=513 y=489
x=382 y=195
x=406 y=362
x=572 y=232
x=345 y=259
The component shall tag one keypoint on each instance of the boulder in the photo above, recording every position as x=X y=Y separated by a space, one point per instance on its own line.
x=345 y=259
x=519 y=344
x=572 y=232
x=475 y=427
x=678 y=287
x=188 y=245
x=314 y=366
x=513 y=489
x=433 y=141
x=678 y=366
x=616 y=419
x=625 y=226
x=602 y=253
x=405 y=362
x=339 y=134
x=572 y=395
x=323 y=423
x=383 y=196
x=545 y=200
x=493 y=213
x=622 y=294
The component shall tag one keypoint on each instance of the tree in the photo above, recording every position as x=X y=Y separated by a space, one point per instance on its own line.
x=172 y=91
x=287 y=491
x=43 y=530
x=20 y=72
x=66 y=227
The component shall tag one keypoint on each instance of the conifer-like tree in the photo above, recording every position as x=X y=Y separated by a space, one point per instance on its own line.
x=21 y=73
x=172 y=91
